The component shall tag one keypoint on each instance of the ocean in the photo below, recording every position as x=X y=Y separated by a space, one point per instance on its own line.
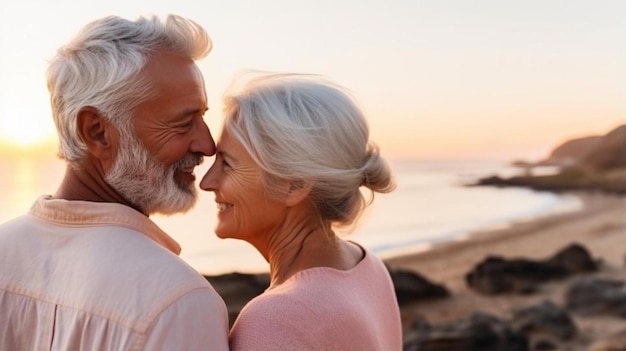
x=431 y=204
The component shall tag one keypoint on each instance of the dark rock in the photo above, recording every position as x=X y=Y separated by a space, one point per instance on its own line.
x=497 y=275
x=569 y=179
x=592 y=296
x=546 y=319
x=479 y=332
x=545 y=345
x=575 y=258
x=411 y=287
x=421 y=324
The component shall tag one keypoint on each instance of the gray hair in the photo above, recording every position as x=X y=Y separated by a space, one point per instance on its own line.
x=303 y=128
x=100 y=68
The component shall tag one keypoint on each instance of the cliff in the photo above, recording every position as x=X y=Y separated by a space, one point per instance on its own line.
x=596 y=163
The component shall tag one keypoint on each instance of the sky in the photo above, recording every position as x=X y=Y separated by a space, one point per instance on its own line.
x=436 y=78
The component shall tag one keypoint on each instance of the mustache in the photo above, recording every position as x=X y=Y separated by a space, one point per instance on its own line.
x=191 y=160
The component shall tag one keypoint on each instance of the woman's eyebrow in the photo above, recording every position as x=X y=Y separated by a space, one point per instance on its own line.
x=225 y=154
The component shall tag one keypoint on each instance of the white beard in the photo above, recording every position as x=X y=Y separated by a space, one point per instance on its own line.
x=146 y=183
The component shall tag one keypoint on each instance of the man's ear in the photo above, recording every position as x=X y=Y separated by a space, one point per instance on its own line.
x=95 y=132
x=298 y=191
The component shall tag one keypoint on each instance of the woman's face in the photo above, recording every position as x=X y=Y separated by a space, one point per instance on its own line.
x=244 y=210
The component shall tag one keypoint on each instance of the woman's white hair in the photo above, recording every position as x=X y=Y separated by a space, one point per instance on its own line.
x=304 y=128
x=100 y=67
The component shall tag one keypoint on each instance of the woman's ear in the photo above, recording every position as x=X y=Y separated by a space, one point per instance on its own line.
x=298 y=191
x=95 y=132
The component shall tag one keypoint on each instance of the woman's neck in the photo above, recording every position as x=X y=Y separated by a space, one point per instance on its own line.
x=307 y=245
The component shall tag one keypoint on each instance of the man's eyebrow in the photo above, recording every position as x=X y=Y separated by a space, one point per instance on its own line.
x=192 y=111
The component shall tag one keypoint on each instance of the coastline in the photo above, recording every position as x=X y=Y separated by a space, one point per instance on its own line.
x=534 y=238
x=599 y=226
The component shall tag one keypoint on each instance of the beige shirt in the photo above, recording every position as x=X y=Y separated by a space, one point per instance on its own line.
x=78 y=275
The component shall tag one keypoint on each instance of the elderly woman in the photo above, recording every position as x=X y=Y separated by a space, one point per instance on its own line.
x=291 y=160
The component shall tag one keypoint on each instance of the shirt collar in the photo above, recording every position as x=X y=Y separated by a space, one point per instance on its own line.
x=101 y=213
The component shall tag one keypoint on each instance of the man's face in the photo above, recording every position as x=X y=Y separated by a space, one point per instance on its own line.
x=154 y=169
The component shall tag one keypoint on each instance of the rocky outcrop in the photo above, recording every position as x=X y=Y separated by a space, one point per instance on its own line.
x=597 y=152
x=573 y=179
x=596 y=163
x=498 y=275
x=545 y=326
x=478 y=332
x=546 y=319
x=609 y=153
x=411 y=287
x=591 y=296
x=572 y=151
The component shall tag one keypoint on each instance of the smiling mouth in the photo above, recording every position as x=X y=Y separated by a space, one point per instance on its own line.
x=221 y=206
x=186 y=174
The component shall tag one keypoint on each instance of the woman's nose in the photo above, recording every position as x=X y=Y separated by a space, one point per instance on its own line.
x=209 y=180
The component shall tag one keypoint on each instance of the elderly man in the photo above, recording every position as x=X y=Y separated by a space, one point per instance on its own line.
x=86 y=269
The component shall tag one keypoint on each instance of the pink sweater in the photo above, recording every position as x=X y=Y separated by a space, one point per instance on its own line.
x=324 y=309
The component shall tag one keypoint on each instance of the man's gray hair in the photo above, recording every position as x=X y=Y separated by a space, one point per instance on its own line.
x=100 y=68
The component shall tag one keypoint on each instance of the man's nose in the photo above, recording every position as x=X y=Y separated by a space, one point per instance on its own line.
x=203 y=140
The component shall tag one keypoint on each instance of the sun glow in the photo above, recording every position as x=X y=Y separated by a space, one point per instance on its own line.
x=19 y=138
x=22 y=131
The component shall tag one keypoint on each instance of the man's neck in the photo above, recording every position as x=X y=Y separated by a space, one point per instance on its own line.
x=87 y=184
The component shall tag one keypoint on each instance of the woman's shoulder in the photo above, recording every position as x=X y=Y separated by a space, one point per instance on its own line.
x=273 y=305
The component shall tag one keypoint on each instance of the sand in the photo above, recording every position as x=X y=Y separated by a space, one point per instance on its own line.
x=600 y=226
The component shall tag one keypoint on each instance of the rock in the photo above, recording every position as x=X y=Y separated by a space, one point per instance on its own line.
x=479 y=332
x=497 y=275
x=546 y=319
x=575 y=258
x=572 y=151
x=411 y=287
x=609 y=153
x=592 y=296
x=592 y=163
x=545 y=345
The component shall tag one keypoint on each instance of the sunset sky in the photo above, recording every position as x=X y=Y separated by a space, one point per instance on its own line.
x=437 y=78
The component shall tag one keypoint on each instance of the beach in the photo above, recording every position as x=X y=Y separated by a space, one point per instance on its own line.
x=600 y=227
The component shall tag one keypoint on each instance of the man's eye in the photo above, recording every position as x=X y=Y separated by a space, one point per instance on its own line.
x=187 y=125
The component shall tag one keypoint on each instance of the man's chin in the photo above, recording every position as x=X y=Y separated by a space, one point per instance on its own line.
x=182 y=204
